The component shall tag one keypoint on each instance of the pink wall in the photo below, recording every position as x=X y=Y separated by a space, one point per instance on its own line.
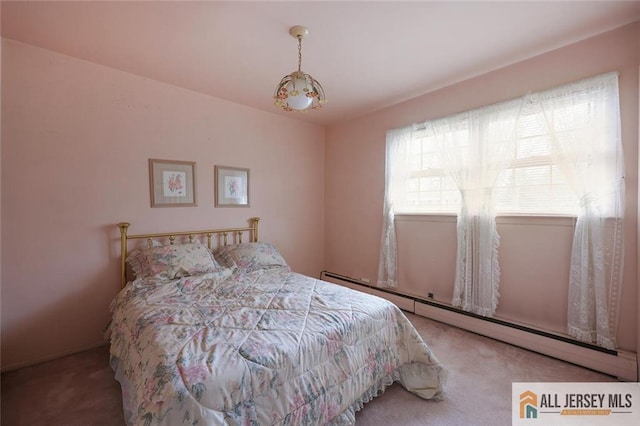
x=534 y=252
x=76 y=140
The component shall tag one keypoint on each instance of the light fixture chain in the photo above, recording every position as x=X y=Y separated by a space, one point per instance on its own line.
x=299 y=53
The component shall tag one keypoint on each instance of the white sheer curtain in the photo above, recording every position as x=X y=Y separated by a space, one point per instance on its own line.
x=583 y=120
x=477 y=145
x=394 y=195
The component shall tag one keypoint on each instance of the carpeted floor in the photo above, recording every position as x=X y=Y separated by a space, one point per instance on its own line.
x=80 y=389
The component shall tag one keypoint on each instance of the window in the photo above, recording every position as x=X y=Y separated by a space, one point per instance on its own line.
x=531 y=183
x=430 y=189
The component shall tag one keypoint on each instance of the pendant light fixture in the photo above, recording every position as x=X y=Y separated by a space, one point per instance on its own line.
x=299 y=91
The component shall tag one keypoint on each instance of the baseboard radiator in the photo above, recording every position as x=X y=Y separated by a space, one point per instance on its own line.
x=620 y=364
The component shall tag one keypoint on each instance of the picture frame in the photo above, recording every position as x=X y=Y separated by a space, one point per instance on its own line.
x=172 y=183
x=231 y=186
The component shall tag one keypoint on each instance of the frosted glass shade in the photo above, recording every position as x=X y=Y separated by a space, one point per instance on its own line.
x=298 y=92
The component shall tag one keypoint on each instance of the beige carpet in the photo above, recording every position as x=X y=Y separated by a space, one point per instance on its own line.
x=80 y=389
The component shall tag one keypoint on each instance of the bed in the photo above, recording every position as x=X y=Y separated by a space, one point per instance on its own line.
x=212 y=330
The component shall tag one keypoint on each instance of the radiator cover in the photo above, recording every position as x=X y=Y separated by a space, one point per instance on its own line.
x=620 y=364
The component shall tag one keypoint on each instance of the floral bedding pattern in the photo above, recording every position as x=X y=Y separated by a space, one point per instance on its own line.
x=172 y=261
x=251 y=256
x=269 y=347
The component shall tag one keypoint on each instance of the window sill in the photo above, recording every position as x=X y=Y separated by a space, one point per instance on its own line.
x=513 y=219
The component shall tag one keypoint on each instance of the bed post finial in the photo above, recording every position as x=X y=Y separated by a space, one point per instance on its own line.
x=124 y=226
x=254 y=225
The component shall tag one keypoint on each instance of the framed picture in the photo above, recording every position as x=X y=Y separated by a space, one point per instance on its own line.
x=172 y=183
x=232 y=187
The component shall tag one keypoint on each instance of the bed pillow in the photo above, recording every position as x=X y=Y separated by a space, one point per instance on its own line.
x=172 y=261
x=250 y=257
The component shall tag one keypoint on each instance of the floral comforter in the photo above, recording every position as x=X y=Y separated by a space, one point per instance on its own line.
x=270 y=347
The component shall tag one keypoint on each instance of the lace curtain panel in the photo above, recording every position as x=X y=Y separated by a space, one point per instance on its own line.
x=396 y=170
x=582 y=122
x=476 y=146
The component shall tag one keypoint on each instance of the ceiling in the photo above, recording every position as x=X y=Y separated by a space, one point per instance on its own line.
x=366 y=54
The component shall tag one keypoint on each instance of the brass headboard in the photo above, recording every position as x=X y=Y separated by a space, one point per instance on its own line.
x=236 y=233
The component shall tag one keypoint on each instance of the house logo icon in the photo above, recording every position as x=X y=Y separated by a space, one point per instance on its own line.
x=528 y=405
